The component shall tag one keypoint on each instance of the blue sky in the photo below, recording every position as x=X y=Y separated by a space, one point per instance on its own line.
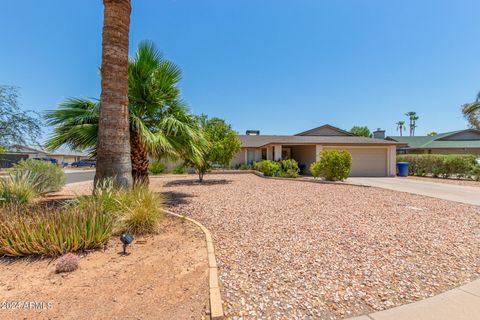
x=278 y=66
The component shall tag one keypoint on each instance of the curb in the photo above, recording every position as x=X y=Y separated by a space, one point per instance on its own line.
x=216 y=306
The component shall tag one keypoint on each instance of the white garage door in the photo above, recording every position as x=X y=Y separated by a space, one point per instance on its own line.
x=367 y=162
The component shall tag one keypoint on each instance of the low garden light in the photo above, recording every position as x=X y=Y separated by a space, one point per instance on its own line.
x=126 y=239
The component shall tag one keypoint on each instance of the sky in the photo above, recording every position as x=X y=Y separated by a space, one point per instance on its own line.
x=277 y=66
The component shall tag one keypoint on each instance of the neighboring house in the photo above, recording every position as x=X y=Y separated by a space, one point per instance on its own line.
x=461 y=141
x=370 y=157
x=18 y=152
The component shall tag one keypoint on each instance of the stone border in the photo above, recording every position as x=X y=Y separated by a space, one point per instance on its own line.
x=216 y=306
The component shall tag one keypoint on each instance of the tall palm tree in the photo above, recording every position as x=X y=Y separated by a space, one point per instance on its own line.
x=160 y=124
x=113 y=147
x=412 y=116
x=401 y=126
x=471 y=112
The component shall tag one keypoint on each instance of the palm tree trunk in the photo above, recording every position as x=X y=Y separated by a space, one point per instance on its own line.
x=113 y=149
x=140 y=162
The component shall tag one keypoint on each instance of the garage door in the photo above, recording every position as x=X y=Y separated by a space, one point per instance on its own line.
x=367 y=162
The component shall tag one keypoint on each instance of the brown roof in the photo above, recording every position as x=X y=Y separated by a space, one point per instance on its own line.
x=263 y=140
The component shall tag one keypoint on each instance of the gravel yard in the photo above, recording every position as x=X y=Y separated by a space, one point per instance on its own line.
x=299 y=250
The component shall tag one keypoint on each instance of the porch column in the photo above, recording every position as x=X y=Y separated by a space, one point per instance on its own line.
x=392 y=161
x=277 y=152
x=269 y=153
x=246 y=156
x=318 y=149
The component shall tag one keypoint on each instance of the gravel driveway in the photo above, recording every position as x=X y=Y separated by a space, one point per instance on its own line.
x=299 y=250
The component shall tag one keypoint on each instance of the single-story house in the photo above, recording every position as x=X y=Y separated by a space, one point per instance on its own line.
x=455 y=142
x=16 y=153
x=370 y=156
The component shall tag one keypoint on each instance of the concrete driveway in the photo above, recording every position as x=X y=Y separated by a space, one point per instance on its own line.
x=464 y=194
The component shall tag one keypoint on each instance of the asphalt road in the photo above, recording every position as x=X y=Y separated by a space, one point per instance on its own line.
x=72 y=176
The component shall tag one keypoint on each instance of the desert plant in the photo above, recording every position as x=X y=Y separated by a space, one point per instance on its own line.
x=268 y=167
x=289 y=168
x=180 y=169
x=67 y=263
x=156 y=168
x=51 y=178
x=333 y=165
x=40 y=230
x=18 y=187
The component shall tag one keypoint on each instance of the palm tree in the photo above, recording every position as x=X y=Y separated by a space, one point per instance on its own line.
x=413 y=124
x=160 y=124
x=471 y=112
x=113 y=148
x=401 y=126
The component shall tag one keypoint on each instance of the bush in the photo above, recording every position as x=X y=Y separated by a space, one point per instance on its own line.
x=475 y=172
x=180 y=169
x=156 y=168
x=458 y=165
x=18 y=187
x=245 y=167
x=39 y=230
x=51 y=178
x=268 y=167
x=289 y=168
x=333 y=165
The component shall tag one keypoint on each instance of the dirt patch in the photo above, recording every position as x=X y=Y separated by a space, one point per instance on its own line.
x=164 y=277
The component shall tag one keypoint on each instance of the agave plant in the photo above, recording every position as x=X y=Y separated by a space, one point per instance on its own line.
x=160 y=123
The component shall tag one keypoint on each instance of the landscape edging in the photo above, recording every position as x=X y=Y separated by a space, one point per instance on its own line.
x=216 y=306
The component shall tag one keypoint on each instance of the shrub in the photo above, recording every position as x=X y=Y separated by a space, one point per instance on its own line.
x=67 y=263
x=156 y=168
x=458 y=165
x=18 y=187
x=51 y=178
x=475 y=172
x=268 y=167
x=289 y=168
x=245 y=167
x=180 y=169
x=333 y=165
x=39 y=230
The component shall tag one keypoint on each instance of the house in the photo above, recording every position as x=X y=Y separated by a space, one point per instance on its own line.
x=461 y=141
x=16 y=153
x=370 y=156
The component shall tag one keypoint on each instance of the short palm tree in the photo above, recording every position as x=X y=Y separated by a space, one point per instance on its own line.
x=471 y=112
x=401 y=126
x=160 y=124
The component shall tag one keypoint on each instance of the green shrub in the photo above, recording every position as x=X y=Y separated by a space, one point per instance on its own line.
x=37 y=230
x=333 y=165
x=289 y=168
x=51 y=178
x=458 y=165
x=268 y=167
x=475 y=172
x=245 y=167
x=156 y=168
x=18 y=187
x=180 y=169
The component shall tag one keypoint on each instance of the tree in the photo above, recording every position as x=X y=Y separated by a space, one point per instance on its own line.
x=471 y=112
x=160 y=124
x=221 y=145
x=412 y=116
x=16 y=126
x=361 y=131
x=113 y=147
x=401 y=126
x=432 y=134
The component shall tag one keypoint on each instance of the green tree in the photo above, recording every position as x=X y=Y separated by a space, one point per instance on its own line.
x=16 y=125
x=432 y=134
x=361 y=131
x=471 y=112
x=401 y=127
x=160 y=124
x=221 y=145
x=412 y=116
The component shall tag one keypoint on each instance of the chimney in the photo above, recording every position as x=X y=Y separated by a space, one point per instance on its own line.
x=379 y=134
x=253 y=132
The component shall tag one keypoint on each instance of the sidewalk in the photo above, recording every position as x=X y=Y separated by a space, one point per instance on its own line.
x=462 y=303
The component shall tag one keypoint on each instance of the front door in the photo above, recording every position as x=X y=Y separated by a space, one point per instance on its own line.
x=286 y=153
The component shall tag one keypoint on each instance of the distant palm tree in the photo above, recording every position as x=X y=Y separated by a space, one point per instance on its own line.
x=401 y=126
x=113 y=149
x=412 y=116
x=471 y=112
x=160 y=124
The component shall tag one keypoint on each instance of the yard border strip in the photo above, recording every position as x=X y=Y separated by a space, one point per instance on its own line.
x=216 y=306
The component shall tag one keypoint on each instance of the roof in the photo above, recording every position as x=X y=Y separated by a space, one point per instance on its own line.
x=40 y=149
x=442 y=140
x=325 y=126
x=263 y=140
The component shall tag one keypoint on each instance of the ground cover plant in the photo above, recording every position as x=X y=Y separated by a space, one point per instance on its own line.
x=156 y=168
x=18 y=188
x=333 y=165
x=439 y=165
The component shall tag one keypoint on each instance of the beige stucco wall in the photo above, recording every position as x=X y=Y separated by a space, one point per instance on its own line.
x=304 y=155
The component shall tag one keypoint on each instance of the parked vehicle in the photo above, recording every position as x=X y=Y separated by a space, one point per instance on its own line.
x=85 y=163
x=54 y=161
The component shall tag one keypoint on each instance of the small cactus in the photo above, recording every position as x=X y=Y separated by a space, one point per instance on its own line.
x=66 y=263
